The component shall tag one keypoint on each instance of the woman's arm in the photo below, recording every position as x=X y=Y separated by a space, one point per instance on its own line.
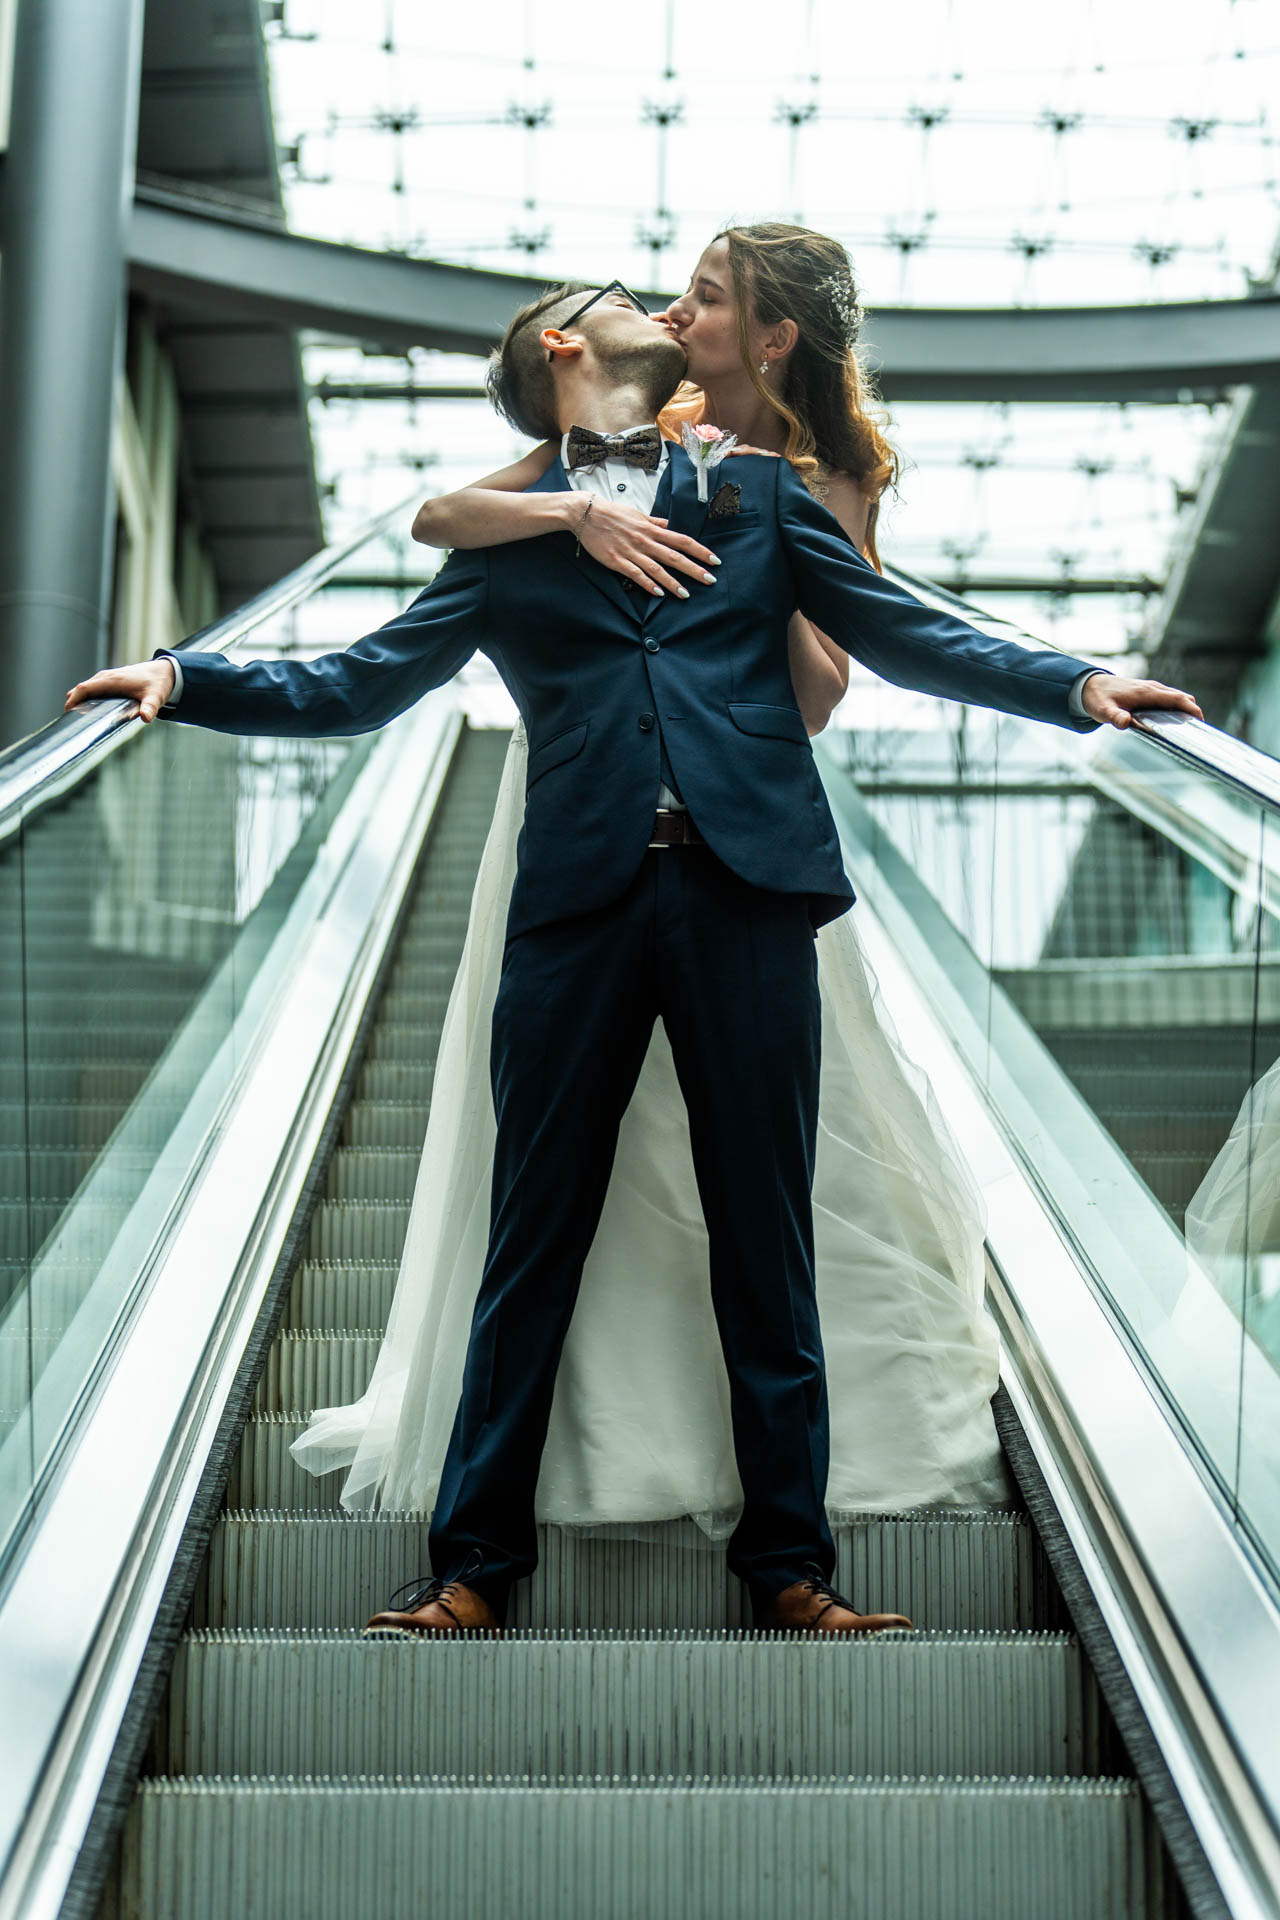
x=819 y=668
x=497 y=509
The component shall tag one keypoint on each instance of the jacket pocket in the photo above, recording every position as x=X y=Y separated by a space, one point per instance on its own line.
x=718 y=524
x=551 y=753
x=778 y=723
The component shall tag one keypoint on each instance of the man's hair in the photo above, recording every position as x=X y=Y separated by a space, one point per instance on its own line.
x=519 y=380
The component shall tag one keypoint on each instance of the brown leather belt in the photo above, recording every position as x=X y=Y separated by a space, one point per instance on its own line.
x=671 y=829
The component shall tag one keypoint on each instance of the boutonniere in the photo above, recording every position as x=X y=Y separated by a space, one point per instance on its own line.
x=706 y=446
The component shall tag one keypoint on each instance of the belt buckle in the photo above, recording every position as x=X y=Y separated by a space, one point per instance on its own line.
x=663 y=813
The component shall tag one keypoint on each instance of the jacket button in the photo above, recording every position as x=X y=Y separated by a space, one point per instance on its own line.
x=652 y=646
x=646 y=722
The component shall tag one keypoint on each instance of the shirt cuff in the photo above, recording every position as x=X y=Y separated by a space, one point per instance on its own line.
x=1074 y=702
x=176 y=695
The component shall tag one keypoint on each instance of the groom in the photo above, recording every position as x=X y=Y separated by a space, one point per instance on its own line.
x=677 y=858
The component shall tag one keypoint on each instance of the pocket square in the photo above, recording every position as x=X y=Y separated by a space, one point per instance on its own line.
x=724 y=501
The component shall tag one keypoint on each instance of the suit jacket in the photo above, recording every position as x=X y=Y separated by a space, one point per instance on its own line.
x=592 y=664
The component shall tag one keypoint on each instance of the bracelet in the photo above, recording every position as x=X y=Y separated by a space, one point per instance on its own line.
x=577 y=549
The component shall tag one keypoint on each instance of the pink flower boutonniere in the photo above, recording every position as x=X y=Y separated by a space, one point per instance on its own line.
x=706 y=446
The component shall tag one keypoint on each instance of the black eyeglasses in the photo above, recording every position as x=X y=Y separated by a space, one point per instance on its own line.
x=614 y=286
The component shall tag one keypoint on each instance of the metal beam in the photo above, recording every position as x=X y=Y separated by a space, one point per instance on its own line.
x=1226 y=573
x=976 y=583
x=223 y=262
x=391 y=390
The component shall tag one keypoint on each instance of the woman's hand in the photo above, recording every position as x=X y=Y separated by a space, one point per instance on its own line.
x=768 y=452
x=148 y=683
x=641 y=547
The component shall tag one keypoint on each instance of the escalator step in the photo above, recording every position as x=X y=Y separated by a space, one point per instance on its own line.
x=316 y=1369
x=218 y=1849
x=401 y=1040
x=372 y=1173
x=358 y=1229
x=26 y=1225
x=425 y=998
x=51 y=1125
x=343 y=1294
x=117 y=1081
x=386 y=1123
x=953 y=1568
x=718 y=1706
x=403 y=1081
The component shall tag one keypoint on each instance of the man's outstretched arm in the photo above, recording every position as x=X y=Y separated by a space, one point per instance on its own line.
x=354 y=691
x=912 y=645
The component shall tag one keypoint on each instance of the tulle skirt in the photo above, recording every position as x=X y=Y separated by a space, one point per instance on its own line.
x=640 y=1428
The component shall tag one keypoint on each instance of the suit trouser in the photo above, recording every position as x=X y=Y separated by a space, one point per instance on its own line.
x=731 y=970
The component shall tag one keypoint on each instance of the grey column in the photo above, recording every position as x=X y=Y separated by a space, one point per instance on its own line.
x=68 y=189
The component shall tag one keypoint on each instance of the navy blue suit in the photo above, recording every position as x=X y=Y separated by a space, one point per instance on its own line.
x=604 y=936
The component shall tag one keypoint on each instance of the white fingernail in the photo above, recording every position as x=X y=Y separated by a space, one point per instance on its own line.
x=683 y=592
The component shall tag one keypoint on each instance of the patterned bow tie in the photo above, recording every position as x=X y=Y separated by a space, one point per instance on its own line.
x=642 y=447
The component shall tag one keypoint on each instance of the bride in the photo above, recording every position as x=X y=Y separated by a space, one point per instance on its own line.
x=640 y=1426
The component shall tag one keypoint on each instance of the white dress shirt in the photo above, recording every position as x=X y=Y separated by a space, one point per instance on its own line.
x=633 y=487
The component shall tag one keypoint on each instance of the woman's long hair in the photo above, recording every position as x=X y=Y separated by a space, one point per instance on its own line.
x=825 y=394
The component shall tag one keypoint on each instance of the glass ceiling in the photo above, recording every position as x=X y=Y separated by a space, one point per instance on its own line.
x=969 y=153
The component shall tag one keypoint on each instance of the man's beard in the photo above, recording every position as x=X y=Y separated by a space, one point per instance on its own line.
x=656 y=366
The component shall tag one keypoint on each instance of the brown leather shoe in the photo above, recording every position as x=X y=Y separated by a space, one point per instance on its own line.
x=812 y=1605
x=438 y=1606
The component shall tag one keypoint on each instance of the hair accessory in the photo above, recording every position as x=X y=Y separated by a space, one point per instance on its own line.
x=845 y=310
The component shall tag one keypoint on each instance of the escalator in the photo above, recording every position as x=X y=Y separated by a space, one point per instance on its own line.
x=630 y=1716
x=1064 y=1735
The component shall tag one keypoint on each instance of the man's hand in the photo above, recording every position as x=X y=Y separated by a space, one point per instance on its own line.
x=148 y=682
x=1110 y=697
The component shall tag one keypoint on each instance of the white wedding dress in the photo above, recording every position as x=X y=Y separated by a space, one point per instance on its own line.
x=640 y=1430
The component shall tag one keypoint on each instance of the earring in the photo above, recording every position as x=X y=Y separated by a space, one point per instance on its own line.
x=764 y=364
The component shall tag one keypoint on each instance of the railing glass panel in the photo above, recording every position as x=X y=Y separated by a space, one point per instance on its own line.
x=1100 y=919
x=156 y=884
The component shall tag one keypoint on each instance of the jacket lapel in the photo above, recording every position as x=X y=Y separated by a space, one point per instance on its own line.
x=604 y=579
x=677 y=500
x=687 y=513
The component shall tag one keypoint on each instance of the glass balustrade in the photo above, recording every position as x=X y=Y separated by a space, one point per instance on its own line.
x=156 y=885
x=1099 y=912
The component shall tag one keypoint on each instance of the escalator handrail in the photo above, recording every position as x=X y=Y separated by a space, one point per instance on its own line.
x=1234 y=762
x=74 y=743
x=1195 y=742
